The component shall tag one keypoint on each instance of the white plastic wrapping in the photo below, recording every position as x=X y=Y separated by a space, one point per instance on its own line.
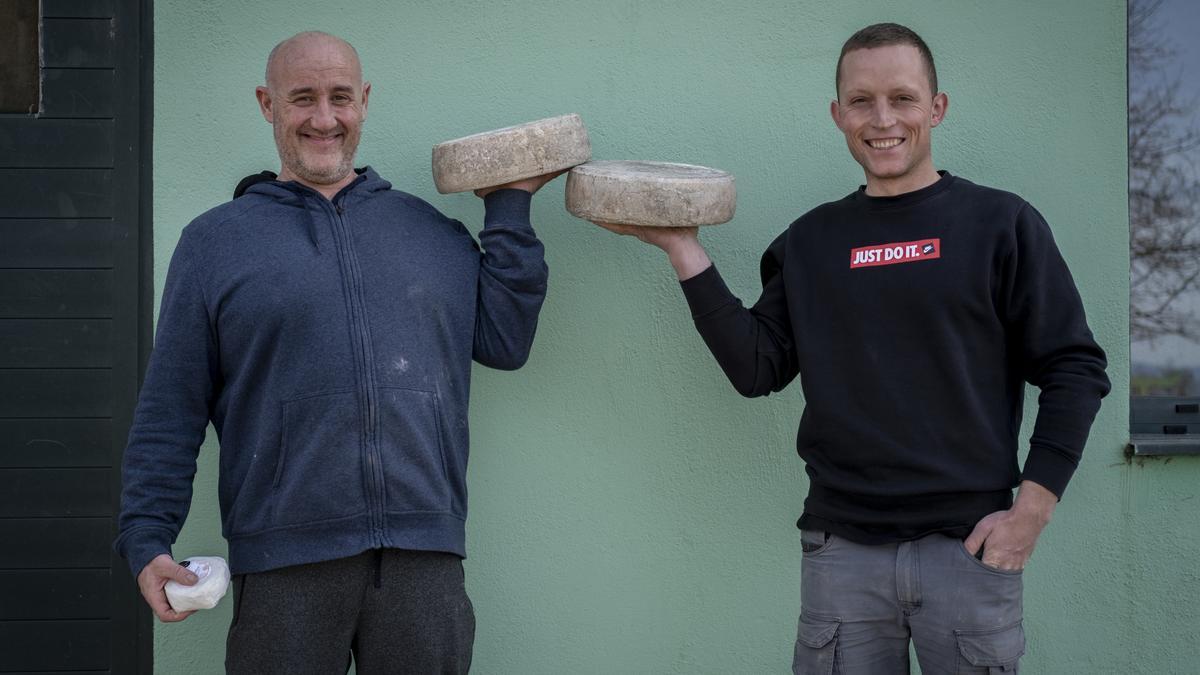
x=207 y=592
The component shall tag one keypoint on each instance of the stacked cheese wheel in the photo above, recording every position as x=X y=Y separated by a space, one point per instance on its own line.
x=656 y=194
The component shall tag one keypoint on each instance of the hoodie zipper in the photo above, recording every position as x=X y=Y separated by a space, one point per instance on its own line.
x=367 y=386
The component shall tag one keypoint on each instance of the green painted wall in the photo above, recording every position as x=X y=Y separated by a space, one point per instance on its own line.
x=630 y=513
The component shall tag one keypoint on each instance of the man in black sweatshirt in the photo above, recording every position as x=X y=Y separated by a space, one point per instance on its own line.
x=914 y=311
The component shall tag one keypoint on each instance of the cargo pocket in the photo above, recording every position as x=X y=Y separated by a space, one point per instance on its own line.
x=319 y=474
x=816 y=646
x=993 y=651
x=410 y=442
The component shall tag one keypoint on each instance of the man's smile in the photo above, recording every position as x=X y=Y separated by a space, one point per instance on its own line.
x=884 y=143
x=319 y=139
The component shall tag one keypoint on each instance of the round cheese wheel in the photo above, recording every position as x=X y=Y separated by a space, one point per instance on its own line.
x=512 y=153
x=658 y=194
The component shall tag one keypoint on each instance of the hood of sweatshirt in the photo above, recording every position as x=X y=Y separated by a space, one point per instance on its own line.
x=293 y=193
x=268 y=183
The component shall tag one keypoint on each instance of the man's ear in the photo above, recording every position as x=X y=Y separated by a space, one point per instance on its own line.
x=264 y=103
x=941 y=103
x=366 y=94
x=835 y=111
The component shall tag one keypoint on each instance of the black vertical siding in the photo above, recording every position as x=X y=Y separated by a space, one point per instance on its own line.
x=74 y=334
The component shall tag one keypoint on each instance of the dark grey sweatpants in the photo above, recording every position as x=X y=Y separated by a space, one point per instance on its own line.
x=396 y=611
x=860 y=606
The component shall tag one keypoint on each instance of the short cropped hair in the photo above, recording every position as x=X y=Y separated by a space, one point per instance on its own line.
x=886 y=35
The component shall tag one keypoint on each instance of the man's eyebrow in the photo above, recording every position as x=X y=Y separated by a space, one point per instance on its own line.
x=897 y=89
x=339 y=88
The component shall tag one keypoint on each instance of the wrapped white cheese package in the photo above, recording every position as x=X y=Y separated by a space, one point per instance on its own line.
x=207 y=592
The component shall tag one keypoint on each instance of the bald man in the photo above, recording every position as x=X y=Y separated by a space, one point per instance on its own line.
x=325 y=325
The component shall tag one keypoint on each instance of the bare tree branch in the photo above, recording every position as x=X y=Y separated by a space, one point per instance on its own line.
x=1164 y=193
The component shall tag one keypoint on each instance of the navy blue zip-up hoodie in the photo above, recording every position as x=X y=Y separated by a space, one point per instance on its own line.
x=330 y=343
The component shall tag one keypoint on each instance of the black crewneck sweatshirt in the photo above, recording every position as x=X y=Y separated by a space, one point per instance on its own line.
x=913 y=322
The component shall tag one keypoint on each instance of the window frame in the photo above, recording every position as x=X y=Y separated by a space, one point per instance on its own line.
x=1158 y=425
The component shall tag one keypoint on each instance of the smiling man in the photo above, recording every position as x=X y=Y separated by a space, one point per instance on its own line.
x=316 y=142
x=325 y=324
x=914 y=310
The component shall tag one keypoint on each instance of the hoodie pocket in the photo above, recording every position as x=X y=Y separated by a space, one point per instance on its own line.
x=319 y=473
x=410 y=443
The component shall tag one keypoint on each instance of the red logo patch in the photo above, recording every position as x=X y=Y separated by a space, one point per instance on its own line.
x=892 y=254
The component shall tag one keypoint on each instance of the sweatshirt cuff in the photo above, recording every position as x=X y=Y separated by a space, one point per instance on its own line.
x=1049 y=469
x=509 y=206
x=706 y=292
x=144 y=546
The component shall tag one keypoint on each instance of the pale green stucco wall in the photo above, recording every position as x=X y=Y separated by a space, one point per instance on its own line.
x=630 y=513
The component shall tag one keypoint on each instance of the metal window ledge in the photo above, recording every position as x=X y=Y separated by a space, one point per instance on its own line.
x=1148 y=445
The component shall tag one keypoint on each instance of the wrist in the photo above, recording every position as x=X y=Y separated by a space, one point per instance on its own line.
x=1035 y=501
x=687 y=256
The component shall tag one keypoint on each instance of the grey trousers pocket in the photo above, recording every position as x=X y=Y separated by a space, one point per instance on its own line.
x=816 y=646
x=993 y=651
x=812 y=541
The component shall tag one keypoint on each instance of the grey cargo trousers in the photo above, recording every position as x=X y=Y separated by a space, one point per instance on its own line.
x=860 y=606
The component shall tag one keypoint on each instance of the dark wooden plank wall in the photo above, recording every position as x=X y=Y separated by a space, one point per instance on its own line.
x=74 y=332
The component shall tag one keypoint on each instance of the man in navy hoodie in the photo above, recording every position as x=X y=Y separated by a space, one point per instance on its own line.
x=914 y=310
x=325 y=324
